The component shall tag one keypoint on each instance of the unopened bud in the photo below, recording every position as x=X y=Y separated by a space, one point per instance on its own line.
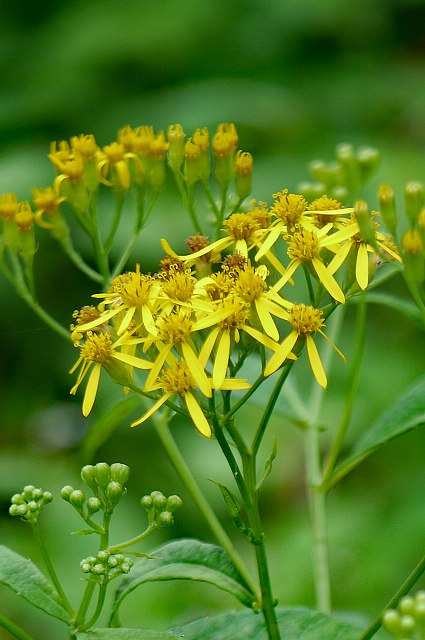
x=165 y=519
x=103 y=473
x=387 y=206
x=66 y=492
x=114 y=492
x=77 y=498
x=120 y=472
x=93 y=505
x=159 y=500
x=175 y=137
x=414 y=200
x=243 y=167
x=174 y=503
x=365 y=222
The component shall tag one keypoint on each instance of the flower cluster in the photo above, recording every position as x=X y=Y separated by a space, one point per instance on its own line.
x=192 y=324
x=160 y=509
x=408 y=619
x=28 y=504
x=106 y=566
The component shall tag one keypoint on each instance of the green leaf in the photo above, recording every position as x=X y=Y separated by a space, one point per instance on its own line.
x=186 y=560
x=125 y=634
x=234 y=509
x=269 y=464
x=406 y=413
x=83 y=532
x=23 y=577
x=295 y=623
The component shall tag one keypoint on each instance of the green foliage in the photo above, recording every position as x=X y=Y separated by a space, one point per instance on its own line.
x=187 y=560
x=23 y=577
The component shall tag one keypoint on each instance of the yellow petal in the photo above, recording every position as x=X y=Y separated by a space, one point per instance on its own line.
x=207 y=347
x=241 y=247
x=128 y=317
x=315 y=362
x=269 y=242
x=328 y=281
x=91 y=389
x=234 y=384
x=134 y=361
x=196 y=370
x=197 y=415
x=261 y=338
x=157 y=365
x=339 y=258
x=266 y=320
x=221 y=359
x=341 y=235
x=290 y=270
x=280 y=355
x=152 y=410
x=362 y=266
x=215 y=317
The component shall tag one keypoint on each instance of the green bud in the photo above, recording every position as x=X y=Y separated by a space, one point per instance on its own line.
x=88 y=476
x=14 y=509
x=173 y=503
x=365 y=222
x=407 y=624
x=414 y=200
x=387 y=206
x=66 y=492
x=175 y=137
x=47 y=497
x=120 y=472
x=391 y=621
x=85 y=566
x=27 y=492
x=349 y=165
x=103 y=555
x=159 y=500
x=146 y=503
x=18 y=498
x=114 y=492
x=126 y=566
x=77 y=498
x=407 y=605
x=37 y=494
x=93 y=505
x=165 y=519
x=369 y=161
x=319 y=171
x=32 y=506
x=103 y=473
x=98 y=569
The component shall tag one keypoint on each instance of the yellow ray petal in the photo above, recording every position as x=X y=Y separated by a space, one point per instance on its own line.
x=91 y=389
x=126 y=320
x=157 y=365
x=362 y=266
x=133 y=361
x=339 y=258
x=234 y=384
x=290 y=270
x=328 y=281
x=341 y=235
x=152 y=410
x=221 y=359
x=215 y=317
x=197 y=415
x=207 y=347
x=269 y=242
x=315 y=362
x=260 y=337
x=266 y=320
x=280 y=355
x=196 y=370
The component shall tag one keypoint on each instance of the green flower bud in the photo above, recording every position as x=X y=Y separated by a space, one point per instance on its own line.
x=47 y=497
x=146 y=503
x=98 y=569
x=364 y=220
x=407 y=625
x=114 y=492
x=18 y=498
x=175 y=137
x=120 y=472
x=103 y=473
x=414 y=200
x=32 y=506
x=165 y=519
x=88 y=476
x=37 y=494
x=126 y=566
x=112 y=562
x=14 y=509
x=85 y=566
x=103 y=555
x=77 y=498
x=159 y=500
x=388 y=210
x=407 y=605
x=27 y=492
x=369 y=161
x=93 y=505
x=174 y=503
x=391 y=621
x=66 y=492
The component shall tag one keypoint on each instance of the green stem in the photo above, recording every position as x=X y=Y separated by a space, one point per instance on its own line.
x=13 y=629
x=402 y=591
x=44 y=315
x=50 y=569
x=210 y=197
x=183 y=471
x=244 y=398
x=98 y=610
x=359 y=340
x=188 y=201
x=131 y=541
x=253 y=513
x=85 y=603
x=78 y=261
x=115 y=222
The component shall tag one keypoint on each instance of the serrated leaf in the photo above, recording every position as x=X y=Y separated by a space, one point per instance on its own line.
x=406 y=413
x=83 y=532
x=126 y=634
x=22 y=576
x=295 y=623
x=187 y=559
x=234 y=509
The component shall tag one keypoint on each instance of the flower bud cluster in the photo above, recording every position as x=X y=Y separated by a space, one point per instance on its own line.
x=350 y=170
x=28 y=504
x=106 y=483
x=160 y=509
x=106 y=566
x=408 y=620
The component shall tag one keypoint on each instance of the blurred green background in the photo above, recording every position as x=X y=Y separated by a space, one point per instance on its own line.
x=297 y=78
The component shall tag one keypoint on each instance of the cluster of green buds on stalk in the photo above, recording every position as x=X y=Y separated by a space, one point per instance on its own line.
x=408 y=620
x=345 y=175
x=28 y=504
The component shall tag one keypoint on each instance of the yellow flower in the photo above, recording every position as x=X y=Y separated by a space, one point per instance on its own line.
x=47 y=202
x=100 y=351
x=305 y=321
x=177 y=379
x=304 y=246
x=113 y=166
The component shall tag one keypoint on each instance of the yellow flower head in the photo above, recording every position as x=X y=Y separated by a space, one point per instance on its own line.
x=24 y=217
x=288 y=207
x=8 y=206
x=85 y=146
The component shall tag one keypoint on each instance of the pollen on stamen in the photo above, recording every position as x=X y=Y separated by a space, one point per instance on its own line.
x=97 y=348
x=306 y=319
x=303 y=245
x=177 y=379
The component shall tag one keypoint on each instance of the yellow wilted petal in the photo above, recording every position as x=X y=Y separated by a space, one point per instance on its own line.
x=315 y=362
x=362 y=266
x=221 y=359
x=197 y=415
x=328 y=281
x=280 y=355
x=91 y=389
x=152 y=410
x=197 y=372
